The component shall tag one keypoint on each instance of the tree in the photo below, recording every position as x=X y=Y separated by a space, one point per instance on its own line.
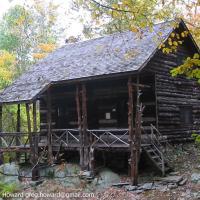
x=27 y=33
x=7 y=62
x=25 y=30
x=136 y=15
x=114 y=15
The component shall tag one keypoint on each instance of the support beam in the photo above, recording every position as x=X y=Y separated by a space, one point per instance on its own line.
x=133 y=172
x=29 y=131
x=35 y=172
x=1 y=129
x=35 y=136
x=1 y=118
x=34 y=118
x=18 y=128
x=137 y=139
x=49 y=128
x=78 y=108
x=134 y=133
x=18 y=118
x=84 y=127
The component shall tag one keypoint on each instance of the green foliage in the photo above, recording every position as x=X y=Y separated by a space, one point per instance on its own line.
x=7 y=188
x=24 y=31
x=190 y=68
x=24 y=28
x=196 y=138
x=108 y=16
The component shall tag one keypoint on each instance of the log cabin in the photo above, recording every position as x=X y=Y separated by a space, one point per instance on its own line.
x=111 y=93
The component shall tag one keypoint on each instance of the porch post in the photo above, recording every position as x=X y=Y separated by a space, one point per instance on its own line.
x=1 y=118
x=133 y=157
x=1 y=129
x=49 y=132
x=78 y=108
x=35 y=172
x=34 y=118
x=84 y=128
x=18 y=118
x=35 y=131
x=18 y=128
x=138 y=121
x=1 y=123
x=29 y=132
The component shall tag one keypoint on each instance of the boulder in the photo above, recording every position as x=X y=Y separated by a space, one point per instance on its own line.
x=10 y=168
x=130 y=188
x=183 y=182
x=147 y=186
x=172 y=179
x=70 y=182
x=60 y=171
x=12 y=171
x=120 y=184
x=106 y=179
x=173 y=173
x=195 y=178
x=172 y=186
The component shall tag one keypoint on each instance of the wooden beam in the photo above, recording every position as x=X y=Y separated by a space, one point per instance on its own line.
x=84 y=128
x=131 y=133
x=29 y=131
x=18 y=118
x=35 y=171
x=137 y=138
x=18 y=128
x=1 y=129
x=34 y=118
x=1 y=118
x=28 y=118
x=35 y=136
x=78 y=108
x=140 y=85
x=49 y=132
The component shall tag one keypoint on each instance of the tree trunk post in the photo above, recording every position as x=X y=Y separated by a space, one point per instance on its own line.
x=78 y=108
x=137 y=131
x=49 y=122
x=18 y=128
x=133 y=155
x=35 y=172
x=1 y=129
x=29 y=133
x=84 y=128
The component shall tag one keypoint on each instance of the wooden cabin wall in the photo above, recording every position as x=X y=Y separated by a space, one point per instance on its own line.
x=173 y=95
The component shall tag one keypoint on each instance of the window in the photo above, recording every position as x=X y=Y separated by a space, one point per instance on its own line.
x=186 y=115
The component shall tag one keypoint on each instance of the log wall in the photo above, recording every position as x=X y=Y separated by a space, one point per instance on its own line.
x=173 y=94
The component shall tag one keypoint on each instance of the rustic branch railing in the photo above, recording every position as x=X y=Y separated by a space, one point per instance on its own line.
x=14 y=140
x=155 y=141
x=98 y=137
x=110 y=138
x=65 y=136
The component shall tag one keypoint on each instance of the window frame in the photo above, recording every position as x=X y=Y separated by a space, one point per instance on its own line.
x=186 y=115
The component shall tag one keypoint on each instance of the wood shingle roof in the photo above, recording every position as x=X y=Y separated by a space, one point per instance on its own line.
x=116 y=53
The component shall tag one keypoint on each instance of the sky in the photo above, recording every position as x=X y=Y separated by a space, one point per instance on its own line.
x=67 y=18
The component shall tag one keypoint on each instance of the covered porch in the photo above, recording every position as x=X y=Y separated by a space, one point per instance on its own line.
x=87 y=116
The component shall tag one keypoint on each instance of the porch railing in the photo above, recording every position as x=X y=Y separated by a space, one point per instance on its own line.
x=68 y=137
x=14 y=140
x=109 y=138
x=98 y=137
